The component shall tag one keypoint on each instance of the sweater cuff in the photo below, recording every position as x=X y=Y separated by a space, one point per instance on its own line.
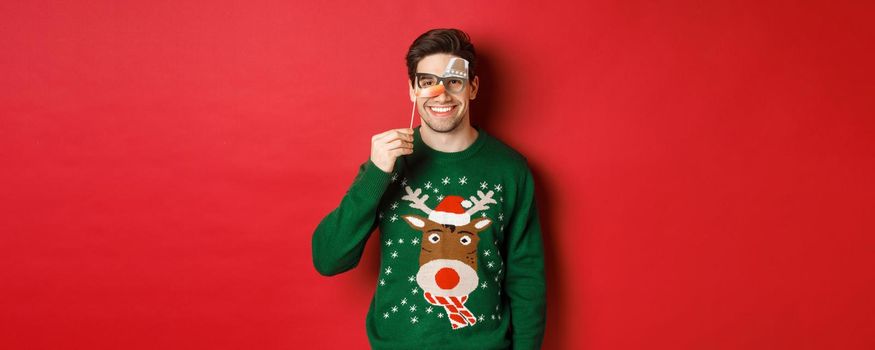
x=373 y=181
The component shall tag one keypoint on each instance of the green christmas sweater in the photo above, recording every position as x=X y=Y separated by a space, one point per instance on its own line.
x=461 y=251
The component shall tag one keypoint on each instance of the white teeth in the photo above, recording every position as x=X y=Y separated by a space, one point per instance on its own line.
x=441 y=109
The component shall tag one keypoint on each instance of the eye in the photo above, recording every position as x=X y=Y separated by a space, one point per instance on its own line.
x=426 y=81
x=465 y=240
x=434 y=238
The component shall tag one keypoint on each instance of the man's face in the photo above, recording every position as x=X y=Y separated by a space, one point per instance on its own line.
x=445 y=112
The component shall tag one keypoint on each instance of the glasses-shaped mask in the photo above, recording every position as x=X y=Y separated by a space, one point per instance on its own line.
x=453 y=84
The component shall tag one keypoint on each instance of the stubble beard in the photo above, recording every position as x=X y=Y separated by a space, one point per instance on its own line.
x=443 y=125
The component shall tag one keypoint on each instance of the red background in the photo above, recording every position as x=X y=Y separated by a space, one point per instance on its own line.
x=704 y=169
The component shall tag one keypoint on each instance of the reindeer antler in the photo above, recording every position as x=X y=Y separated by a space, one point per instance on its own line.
x=480 y=204
x=416 y=202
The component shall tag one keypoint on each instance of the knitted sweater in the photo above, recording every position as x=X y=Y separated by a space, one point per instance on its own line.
x=461 y=251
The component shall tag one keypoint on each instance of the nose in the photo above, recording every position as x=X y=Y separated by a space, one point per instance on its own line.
x=446 y=278
x=444 y=96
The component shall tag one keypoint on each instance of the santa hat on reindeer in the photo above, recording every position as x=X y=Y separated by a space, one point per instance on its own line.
x=451 y=211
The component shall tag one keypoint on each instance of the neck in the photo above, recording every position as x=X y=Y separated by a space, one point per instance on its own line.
x=454 y=141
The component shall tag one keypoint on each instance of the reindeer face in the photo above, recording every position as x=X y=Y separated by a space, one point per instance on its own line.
x=448 y=255
x=448 y=241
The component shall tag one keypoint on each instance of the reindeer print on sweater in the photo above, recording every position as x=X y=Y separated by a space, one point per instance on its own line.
x=447 y=235
x=448 y=258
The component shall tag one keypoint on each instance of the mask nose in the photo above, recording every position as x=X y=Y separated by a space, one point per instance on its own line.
x=444 y=94
x=446 y=278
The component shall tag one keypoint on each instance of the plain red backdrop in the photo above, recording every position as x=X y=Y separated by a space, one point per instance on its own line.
x=704 y=169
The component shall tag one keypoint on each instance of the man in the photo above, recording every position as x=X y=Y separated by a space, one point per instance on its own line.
x=462 y=257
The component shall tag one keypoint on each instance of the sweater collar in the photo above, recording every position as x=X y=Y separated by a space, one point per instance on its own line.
x=419 y=146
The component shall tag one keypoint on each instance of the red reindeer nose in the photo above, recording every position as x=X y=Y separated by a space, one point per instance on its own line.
x=446 y=278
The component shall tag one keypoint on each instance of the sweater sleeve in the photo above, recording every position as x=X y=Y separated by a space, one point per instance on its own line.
x=525 y=283
x=340 y=238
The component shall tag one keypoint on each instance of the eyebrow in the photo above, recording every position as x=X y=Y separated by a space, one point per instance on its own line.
x=439 y=76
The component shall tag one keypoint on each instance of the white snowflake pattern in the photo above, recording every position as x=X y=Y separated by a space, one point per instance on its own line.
x=446 y=180
x=428 y=185
x=411 y=278
x=463 y=180
x=487 y=252
x=483 y=185
x=490 y=264
x=440 y=198
x=412 y=308
x=483 y=285
x=498 y=188
x=388 y=242
x=414 y=291
x=401 y=241
x=436 y=190
x=394 y=218
x=500 y=216
x=440 y=315
x=394 y=205
x=483 y=214
x=429 y=310
x=414 y=241
x=501 y=229
x=501 y=199
x=404 y=301
x=481 y=318
x=492 y=316
x=414 y=319
x=382 y=282
x=395 y=309
x=394 y=177
x=380 y=215
x=385 y=315
x=394 y=254
x=389 y=270
x=404 y=182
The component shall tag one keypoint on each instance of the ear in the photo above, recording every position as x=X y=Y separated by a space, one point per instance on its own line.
x=415 y=221
x=475 y=86
x=481 y=223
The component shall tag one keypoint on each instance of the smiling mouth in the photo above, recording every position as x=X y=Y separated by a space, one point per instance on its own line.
x=441 y=110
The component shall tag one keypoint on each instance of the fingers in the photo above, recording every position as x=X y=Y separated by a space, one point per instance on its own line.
x=399 y=144
x=392 y=141
x=394 y=134
x=401 y=151
x=393 y=138
x=387 y=146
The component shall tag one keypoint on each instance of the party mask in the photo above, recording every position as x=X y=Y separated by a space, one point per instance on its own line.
x=454 y=79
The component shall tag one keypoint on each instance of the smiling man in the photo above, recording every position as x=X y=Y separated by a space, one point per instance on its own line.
x=461 y=251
